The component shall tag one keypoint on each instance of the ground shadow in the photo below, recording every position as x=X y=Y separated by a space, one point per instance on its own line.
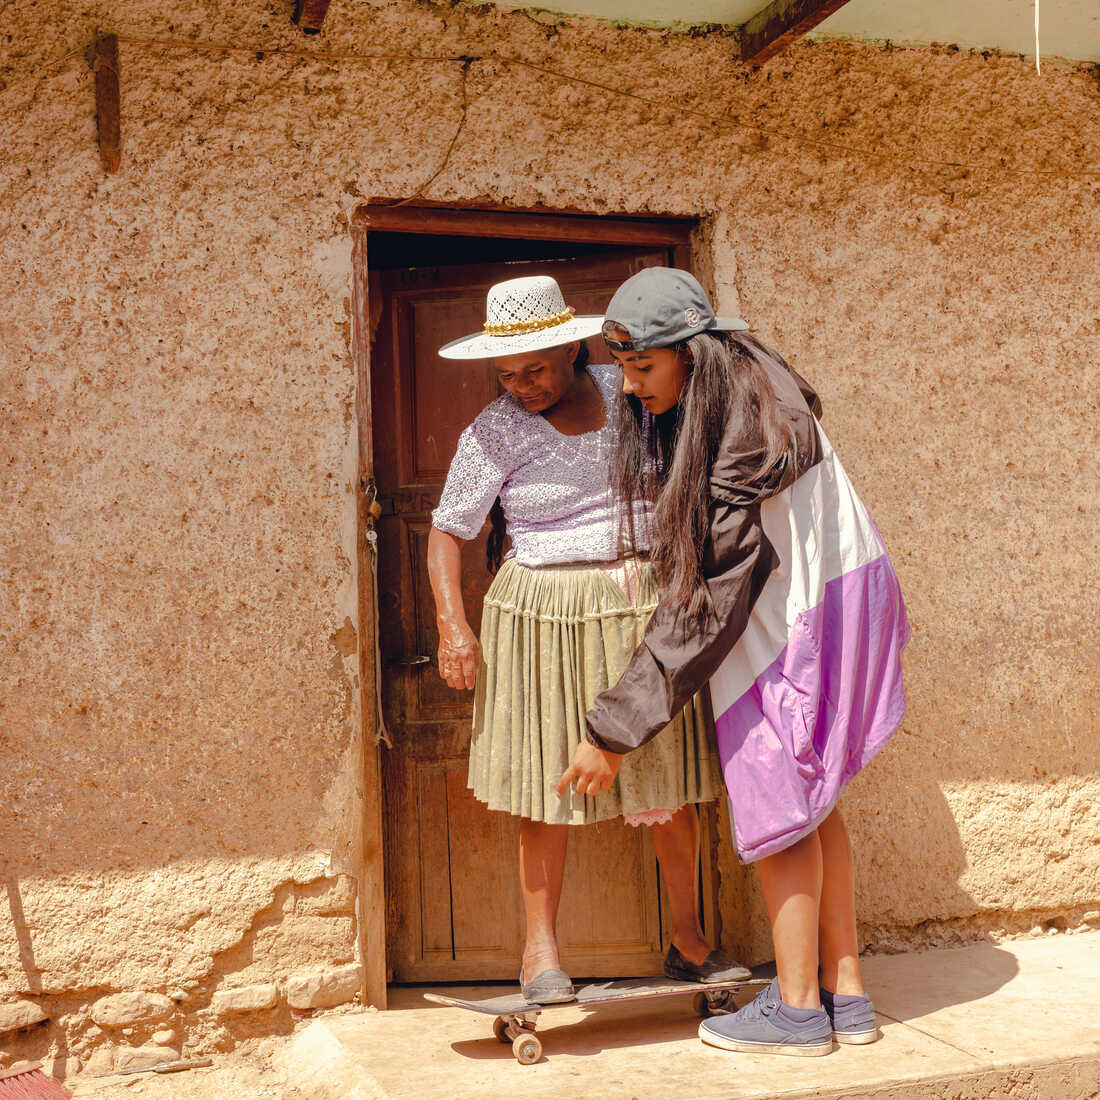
x=949 y=977
x=22 y=936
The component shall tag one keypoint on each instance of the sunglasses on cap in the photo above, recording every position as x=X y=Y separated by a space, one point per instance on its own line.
x=610 y=327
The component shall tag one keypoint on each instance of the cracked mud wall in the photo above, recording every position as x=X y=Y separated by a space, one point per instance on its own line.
x=179 y=733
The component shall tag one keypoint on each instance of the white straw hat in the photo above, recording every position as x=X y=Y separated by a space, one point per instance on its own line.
x=523 y=315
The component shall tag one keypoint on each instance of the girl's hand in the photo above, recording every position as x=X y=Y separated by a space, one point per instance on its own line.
x=591 y=771
x=458 y=655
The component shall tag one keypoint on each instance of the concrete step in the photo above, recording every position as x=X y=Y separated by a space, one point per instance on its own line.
x=989 y=1021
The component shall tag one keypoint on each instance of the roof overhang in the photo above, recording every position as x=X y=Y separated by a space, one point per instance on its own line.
x=1068 y=29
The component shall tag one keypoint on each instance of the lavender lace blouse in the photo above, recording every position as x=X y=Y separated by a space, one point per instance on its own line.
x=555 y=489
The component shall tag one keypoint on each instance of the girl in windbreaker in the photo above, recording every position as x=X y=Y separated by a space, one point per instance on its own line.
x=775 y=588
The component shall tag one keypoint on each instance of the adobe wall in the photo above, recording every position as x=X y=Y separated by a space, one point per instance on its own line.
x=180 y=742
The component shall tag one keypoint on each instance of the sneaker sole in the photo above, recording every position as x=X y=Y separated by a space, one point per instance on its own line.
x=857 y=1038
x=795 y=1050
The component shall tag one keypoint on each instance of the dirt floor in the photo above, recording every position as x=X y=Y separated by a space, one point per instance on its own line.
x=252 y=1071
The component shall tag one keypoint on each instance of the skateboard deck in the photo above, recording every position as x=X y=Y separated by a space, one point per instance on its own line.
x=516 y=1017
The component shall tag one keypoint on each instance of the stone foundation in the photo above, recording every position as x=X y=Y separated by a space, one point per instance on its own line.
x=262 y=985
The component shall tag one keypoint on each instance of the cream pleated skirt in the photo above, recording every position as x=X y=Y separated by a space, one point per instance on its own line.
x=553 y=638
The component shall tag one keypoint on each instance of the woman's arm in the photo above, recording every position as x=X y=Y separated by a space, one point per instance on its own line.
x=458 y=645
x=474 y=480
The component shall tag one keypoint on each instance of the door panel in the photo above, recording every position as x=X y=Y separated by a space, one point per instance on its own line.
x=453 y=900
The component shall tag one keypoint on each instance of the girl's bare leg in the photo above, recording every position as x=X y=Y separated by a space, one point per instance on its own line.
x=677 y=845
x=541 y=869
x=792 y=892
x=838 y=944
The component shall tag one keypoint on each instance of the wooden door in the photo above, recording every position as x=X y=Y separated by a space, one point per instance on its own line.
x=453 y=899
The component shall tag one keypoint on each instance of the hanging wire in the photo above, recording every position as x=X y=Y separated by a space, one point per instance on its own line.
x=382 y=734
x=454 y=138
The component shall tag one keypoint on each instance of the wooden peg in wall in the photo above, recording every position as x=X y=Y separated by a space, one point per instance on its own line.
x=310 y=14
x=107 y=110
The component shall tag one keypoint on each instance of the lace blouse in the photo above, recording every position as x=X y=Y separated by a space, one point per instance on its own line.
x=555 y=489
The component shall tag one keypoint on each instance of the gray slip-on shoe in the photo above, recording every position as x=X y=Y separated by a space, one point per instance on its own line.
x=768 y=1026
x=853 y=1018
x=551 y=987
x=716 y=967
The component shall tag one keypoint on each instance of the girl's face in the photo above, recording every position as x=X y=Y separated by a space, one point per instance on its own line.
x=538 y=380
x=656 y=377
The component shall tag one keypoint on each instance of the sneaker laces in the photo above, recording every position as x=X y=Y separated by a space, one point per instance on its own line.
x=763 y=1004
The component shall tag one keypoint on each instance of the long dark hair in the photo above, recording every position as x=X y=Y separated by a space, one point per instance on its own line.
x=498 y=529
x=667 y=459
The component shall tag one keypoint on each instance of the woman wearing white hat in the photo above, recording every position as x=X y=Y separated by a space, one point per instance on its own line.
x=560 y=621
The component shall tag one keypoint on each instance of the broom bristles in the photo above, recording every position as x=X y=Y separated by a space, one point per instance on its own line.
x=31 y=1084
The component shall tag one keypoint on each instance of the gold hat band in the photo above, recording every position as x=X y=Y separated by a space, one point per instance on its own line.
x=517 y=328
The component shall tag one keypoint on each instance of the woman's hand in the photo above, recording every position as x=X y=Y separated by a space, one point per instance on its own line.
x=592 y=770
x=458 y=654
x=458 y=649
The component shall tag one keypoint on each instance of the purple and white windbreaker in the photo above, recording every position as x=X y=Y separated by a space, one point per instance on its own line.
x=803 y=653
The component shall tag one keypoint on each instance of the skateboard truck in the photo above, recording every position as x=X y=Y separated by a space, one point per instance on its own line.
x=519 y=1030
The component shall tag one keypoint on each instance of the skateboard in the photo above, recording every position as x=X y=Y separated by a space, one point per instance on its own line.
x=516 y=1018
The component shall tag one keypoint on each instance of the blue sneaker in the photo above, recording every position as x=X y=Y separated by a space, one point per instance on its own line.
x=768 y=1026
x=853 y=1018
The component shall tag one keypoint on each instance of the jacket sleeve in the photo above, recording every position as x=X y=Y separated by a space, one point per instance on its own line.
x=675 y=660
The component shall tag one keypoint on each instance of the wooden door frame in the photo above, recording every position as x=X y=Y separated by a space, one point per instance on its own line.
x=466 y=221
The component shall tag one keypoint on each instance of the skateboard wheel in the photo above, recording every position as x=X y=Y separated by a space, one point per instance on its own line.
x=700 y=1004
x=500 y=1030
x=527 y=1049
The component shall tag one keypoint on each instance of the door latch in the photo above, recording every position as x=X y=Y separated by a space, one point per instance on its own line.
x=408 y=662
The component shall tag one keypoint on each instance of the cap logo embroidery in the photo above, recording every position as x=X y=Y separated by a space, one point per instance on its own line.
x=691 y=316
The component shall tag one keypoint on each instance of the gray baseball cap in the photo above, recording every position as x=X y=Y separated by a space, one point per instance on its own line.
x=661 y=306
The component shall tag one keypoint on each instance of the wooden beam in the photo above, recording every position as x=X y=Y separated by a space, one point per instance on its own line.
x=770 y=31
x=310 y=14
x=107 y=109
x=527 y=225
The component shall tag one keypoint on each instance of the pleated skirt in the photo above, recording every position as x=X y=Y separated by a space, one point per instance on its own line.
x=553 y=638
